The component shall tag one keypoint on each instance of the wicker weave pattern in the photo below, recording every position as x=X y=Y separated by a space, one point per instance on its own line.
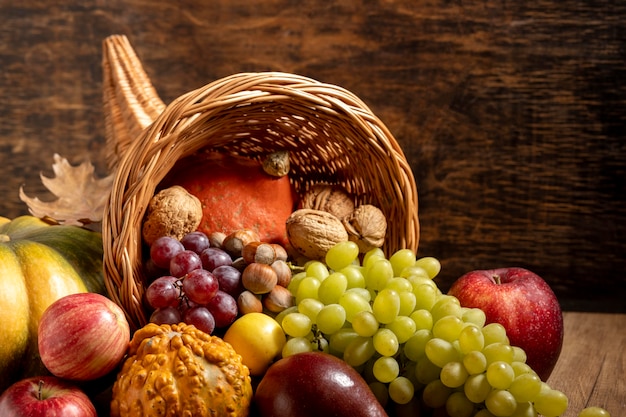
x=332 y=137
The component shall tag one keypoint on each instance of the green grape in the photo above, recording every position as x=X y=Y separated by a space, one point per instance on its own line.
x=446 y=306
x=365 y=323
x=524 y=409
x=518 y=354
x=377 y=253
x=407 y=303
x=386 y=306
x=476 y=388
x=341 y=255
x=401 y=259
x=401 y=390
x=353 y=303
x=296 y=325
x=425 y=297
x=380 y=392
x=471 y=339
x=501 y=403
x=399 y=284
x=317 y=270
x=403 y=327
x=295 y=282
x=280 y=316
x=378 y=274
x=386 y=369
x=457 y=405
x=362 y=292
x=475 y=362
x=354 y=275
x=414 y=348
x=495 y=333
x=453 y=374
x=498 y=352
x=435 y=394
x=413 y=271
x=440 y=351
x=594 y=412
x=500 y=374
x=448 y=328
x=339 y=341
x=474 y=316
x=385 y=343
x=333 y=287
x=525 y=387
x=550 y=402
x=331 y=318
x=430 y=264
x=422 y=318
x=521 y=368
x=310 y=307
x=426 y=371
x=296 y=345
x=307 y=288
x=359 y=351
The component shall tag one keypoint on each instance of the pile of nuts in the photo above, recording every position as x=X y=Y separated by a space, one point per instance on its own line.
x=327 y=215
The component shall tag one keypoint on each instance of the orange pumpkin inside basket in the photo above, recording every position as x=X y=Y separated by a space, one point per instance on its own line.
x=236 y=193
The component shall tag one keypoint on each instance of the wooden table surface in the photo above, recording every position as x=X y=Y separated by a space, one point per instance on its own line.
x=592 y=367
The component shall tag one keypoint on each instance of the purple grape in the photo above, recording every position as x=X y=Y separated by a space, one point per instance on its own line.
x=196 y=241
x=214 y=257
x=223 y=307
x=229 y=279
x=184 y=262
x=163 y=250
x=201 y=318
x=163 y=292
x=200 y=286
x=166 y=315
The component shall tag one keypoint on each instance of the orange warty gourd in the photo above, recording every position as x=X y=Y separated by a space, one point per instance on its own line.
x=178 y=370
x=236 y=193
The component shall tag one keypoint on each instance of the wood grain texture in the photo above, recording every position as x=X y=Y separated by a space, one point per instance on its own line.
x=512 y=114
x=590 y=369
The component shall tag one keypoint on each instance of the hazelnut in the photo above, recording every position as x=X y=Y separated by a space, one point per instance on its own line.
x=283 y=272
x=281 y=252
x=234 y=242
x=216 y=239
x=259 y=278
x=248 y=302
x=276 y=164
x=279 y=299
x=259 y=252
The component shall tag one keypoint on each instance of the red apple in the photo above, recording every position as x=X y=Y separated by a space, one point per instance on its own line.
x=45 y=396
x=524 y=304
x=83 y=336
x=313 y=384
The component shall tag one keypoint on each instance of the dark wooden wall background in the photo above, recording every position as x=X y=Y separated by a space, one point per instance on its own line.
x=512 y=114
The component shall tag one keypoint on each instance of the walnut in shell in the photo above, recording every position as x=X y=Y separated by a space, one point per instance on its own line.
x=367 y=227
x=331 y=198
x=313 y=232
x=172 y=212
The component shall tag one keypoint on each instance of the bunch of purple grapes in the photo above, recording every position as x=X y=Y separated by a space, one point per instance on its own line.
x=196 y=283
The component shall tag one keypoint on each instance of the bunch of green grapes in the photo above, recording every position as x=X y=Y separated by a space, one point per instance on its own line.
x=388 y=319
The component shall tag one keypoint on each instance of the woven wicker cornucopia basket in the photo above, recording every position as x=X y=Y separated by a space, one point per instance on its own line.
x=332 y=137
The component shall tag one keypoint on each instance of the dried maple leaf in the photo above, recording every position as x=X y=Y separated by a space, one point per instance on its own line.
x=80 y=195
